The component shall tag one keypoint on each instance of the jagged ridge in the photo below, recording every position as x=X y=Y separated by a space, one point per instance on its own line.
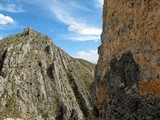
x=38 y=80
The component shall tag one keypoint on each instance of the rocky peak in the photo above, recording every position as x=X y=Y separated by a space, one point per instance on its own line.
x=32 y=33
x=40 y=81
x=28 y=31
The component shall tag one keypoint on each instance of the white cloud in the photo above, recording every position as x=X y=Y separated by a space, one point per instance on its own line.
x=78 y=6
x=71 y=14
x=76 y=25
x=83 y=37
x=90 y=31
x=91 y=56
x=5 y=19
x=83 y=29
x=100 y=2
x=11 y=8
x=6 y=22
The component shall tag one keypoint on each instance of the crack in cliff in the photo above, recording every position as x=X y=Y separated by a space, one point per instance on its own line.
x=2 y=58
x=78 y=95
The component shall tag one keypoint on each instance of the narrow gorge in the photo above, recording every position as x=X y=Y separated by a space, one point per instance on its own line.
x=39 y=81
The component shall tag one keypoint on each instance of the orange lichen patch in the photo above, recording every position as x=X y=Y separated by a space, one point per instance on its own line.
x=152 y=87
x=101 y=95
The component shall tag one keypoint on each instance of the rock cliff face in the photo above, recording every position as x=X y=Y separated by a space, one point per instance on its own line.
x=39 y=81
x=127 y=81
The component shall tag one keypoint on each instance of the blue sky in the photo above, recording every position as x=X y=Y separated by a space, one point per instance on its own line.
x=73 y=25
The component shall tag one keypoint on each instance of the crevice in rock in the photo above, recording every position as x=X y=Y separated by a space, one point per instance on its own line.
x=60 y=116
x=50 y=71
x=2 y=61
x=47 y=49
x=78 y=95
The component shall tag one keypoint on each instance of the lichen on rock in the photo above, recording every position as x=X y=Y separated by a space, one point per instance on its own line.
x=127 y=81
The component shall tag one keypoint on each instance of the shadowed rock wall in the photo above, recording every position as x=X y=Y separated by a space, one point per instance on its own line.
x=127 y=84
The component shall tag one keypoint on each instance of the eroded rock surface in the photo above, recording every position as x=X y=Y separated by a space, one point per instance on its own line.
x=127 y=84
x=39 y=81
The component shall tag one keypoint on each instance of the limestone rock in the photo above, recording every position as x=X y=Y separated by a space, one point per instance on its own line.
x=127 y=84
x=39 y=81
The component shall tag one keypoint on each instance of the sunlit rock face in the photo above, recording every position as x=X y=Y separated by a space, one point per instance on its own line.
x=127 y=84
x=39 y=81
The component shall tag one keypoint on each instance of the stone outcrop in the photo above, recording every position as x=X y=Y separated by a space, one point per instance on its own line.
x=39 y=81
x=127 y=84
